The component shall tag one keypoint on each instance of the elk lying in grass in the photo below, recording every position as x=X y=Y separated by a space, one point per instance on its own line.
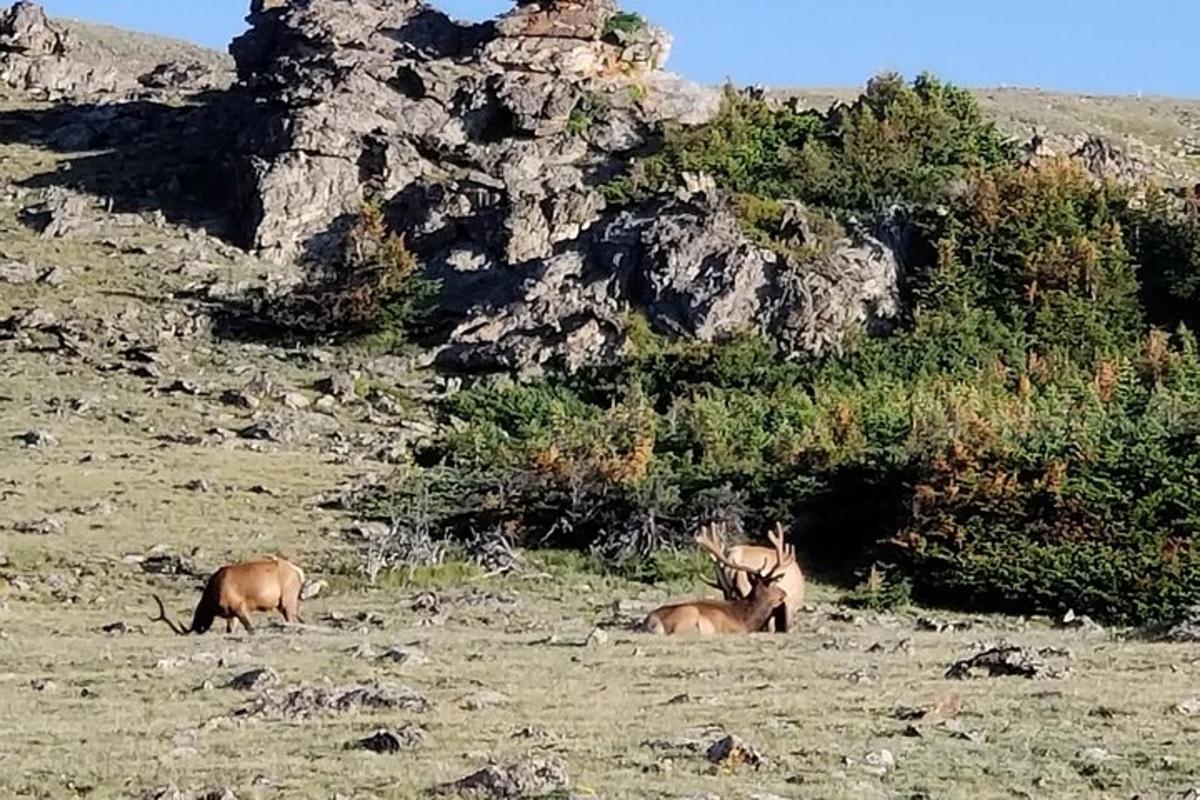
x=747 y=614
x=734 y=581
x=236 y=590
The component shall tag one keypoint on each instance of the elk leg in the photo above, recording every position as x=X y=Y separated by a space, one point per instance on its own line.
x=781 y=620
x=291 y=612
x=229 y=626
x=245 y=620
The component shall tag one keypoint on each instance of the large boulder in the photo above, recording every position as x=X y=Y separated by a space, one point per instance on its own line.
x=486 y=145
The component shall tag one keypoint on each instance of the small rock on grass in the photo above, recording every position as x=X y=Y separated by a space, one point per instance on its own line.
x=46 y=526
x=483 y=700
x=732 y=752
x=535 y=777
x=389 y=740
x=253 y=680
x=37 y=438
x=879 y=762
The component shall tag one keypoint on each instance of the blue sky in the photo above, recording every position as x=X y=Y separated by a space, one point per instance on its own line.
x=1115 y=46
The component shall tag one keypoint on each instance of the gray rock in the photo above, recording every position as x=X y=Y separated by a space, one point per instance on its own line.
x=535 y=777
x=37 y=438
x=388 y=740
x=46 y=526
x=254 y=680
x=1186 y=628
x=18 y=272
x=731 y=752
x=303 y=701
x=483 y=700
x=1003 y=660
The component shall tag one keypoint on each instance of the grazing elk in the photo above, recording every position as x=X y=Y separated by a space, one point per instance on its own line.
x=747 y=614
x=734 y=581
x=236 y=590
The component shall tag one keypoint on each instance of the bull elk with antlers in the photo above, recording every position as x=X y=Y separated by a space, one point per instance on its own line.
x=747 y=614
x=236 y=590
x=736 y=564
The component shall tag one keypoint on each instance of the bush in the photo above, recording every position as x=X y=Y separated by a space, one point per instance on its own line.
x=897 y=143
x=1088 y=502
x=624 y=26
x=380 y=290
x=1165 y=241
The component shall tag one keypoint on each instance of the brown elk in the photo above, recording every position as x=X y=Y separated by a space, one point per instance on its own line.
x=734 y=581
x=236 y=590
x=747 y=614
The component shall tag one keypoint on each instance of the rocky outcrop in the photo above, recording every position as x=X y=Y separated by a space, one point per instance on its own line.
x=47 y=60
x=35 y=57
x=487 y=145
x=686 y=265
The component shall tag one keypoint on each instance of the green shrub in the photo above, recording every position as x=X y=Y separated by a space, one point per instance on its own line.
x=379 y=290
x=1165 y=241
x=898 y=142
x=624 y=25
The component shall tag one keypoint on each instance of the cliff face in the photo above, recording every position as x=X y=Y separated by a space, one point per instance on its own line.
x=487 y=144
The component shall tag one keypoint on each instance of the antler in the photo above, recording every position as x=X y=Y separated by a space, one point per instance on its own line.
x=785 y=554
x=712 y=541
x=176 y=628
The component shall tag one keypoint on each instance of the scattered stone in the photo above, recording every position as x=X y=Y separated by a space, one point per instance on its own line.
x=169 y=564
x=731 y=752
x=942 y=626
x=532 y=732
x=531 y=778
x=389 y=740
x=1187 y=628
x=267 y=429
x=312 y=589
x=219 y=793
x=338 y=386
x=17 y=272
x=43 y=685
x=1003 y=660
x=197 y=485
x=483 y=700
x=1079 y=622
x=879 y=762
x=118 y=628
x=859 y=677
x=55 y=277
x=426 y=603
x=1094 y=756
x=1189 y=708
x=406 y=657
x=362 y=650
x=96 y=508
x=37 y=438
x=1057 y=652
x=46 y=526
x=597 y=638
x=303 y=701
x=296 y=401
x=254 y=680
x=181 y=386
x=240 y=399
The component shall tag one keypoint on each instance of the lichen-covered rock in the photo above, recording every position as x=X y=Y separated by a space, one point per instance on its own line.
x=487 y=144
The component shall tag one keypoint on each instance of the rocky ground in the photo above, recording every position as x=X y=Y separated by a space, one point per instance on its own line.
x=144 y=441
